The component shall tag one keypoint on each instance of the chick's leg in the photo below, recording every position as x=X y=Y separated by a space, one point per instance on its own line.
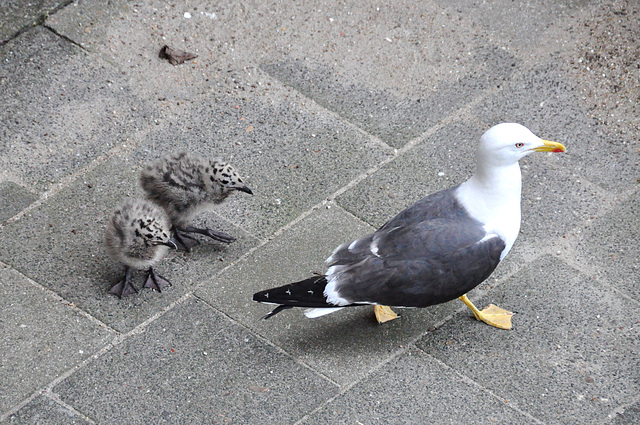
x=183 y=241
x=155 y=281
x=124 y=287
x=218 y=236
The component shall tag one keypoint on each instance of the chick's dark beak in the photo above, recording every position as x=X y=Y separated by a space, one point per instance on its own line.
x=244 y=188
x=171 y=243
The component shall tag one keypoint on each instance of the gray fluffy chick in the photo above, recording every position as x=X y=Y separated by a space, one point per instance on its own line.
x=138 y=235
x=184 y=185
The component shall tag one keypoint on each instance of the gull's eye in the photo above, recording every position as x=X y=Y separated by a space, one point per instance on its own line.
x=519 y=145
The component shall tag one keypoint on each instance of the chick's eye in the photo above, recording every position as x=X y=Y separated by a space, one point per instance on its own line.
x=519 y=145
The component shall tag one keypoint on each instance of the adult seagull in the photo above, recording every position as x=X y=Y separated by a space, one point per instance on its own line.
x=436 y=250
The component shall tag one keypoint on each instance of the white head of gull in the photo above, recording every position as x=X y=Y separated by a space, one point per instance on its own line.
x=492 y=195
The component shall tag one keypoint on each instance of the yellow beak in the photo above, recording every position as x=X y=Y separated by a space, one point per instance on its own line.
x=550 y=146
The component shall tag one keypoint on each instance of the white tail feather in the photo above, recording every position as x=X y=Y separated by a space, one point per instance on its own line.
x=312 y=313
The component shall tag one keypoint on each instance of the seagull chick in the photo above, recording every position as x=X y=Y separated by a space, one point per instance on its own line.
x=184 y=185
x=436 y=250
x=138 y=235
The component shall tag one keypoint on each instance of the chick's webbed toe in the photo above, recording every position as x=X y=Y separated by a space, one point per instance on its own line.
x=124 y=287
x=155 y=281
x=183 y=241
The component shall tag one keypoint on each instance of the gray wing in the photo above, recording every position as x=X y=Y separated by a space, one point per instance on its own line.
x=417 y=264
x=442 y=204
x=174 y=183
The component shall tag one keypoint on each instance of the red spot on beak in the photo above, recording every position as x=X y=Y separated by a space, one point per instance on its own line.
x=557 y=150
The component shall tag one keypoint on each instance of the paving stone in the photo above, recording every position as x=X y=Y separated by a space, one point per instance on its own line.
x=62 y=108
x=375 y=66
x=519 y=25
x=194 y=366
x=13 y=199
x=611 y=245
x=547 y=101
x=60 y=245
x=386 y=73
x=42 y=337
x=380 y=111
x=414 y=388
x=571 y=357
x=443 y=160
x=630 y=416
x=44 y=411
x=17 y=15
x=343 y=345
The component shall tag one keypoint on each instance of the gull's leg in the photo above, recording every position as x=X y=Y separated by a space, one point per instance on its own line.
x=384 y=313
x=155 y=281
x=491 y=315
x=218 y=236
x=124 y=287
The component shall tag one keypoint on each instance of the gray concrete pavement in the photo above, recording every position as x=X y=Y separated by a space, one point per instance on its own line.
x=338 y=116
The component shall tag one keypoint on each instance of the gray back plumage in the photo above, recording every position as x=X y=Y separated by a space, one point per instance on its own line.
x=135 y=232
x=428 y=254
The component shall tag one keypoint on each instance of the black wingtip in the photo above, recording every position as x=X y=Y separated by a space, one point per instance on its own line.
x=276 y=311
x=259 y=297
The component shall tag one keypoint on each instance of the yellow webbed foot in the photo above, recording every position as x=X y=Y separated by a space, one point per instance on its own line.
x=384 y=313
x=491 y=315
x=496 y=316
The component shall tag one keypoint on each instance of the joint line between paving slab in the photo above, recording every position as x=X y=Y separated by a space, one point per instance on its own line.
x=49 y=387
x=268 y=342
x=39 y=20
x=605 y=282
x=411 y=344
x=64 y=37
x=623 y=408
x=62 y=184
x=396 y=154
x=57 y=297
x=54 y=396
x=472 y=382
x=410 y=144
x=65 y=181
x=586 y=269
x=117 y=340
x=327 y=111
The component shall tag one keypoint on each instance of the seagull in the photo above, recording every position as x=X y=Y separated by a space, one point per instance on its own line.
x=138 y=235
x=434 y=251
x=184 y=185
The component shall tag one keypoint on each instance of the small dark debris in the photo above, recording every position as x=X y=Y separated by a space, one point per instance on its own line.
x=175 y=56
